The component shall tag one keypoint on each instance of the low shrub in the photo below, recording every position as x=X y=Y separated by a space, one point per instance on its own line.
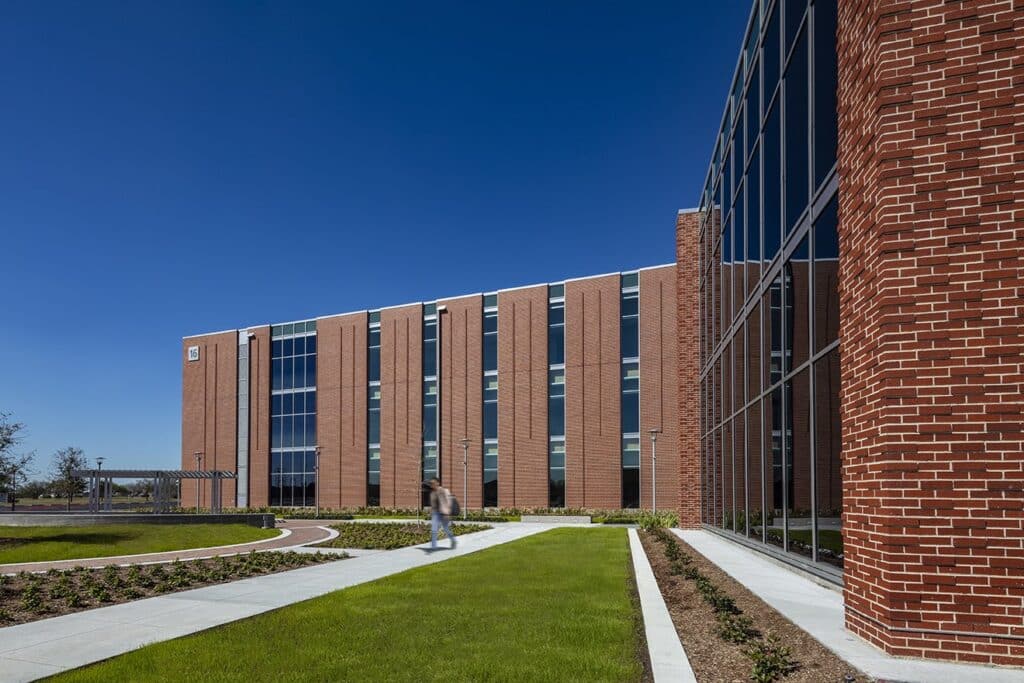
x=735 y=628
x=657 y=520
x=389 y=536
x=771 y=659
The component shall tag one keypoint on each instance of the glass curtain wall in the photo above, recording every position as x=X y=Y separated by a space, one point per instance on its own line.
x=629 y=345
x=293 y=414
x=373 y=410
x=770 y=443
x=556 y=396
x=490 y=417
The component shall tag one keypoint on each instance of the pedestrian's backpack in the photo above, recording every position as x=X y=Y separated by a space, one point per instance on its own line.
x=453 y=504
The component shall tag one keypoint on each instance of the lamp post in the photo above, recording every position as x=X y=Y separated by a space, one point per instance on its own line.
x=199 y=459
x=654 y=468
x=316 y=482
x=99 y=483
x=465 y=475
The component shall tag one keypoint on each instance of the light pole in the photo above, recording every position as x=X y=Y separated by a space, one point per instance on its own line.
x=316 y=482
x=199 y=482
x=99 y=483
x=654 y=468
x=465 y=476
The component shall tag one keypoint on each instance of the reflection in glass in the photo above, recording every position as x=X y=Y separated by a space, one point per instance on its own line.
x=797 y=271
x=755 y=468
x=799 y=493
x=826 y=277
x=827 y=451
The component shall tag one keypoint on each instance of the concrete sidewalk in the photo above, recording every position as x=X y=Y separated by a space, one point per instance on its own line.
x=42 y=648
x=819 y=611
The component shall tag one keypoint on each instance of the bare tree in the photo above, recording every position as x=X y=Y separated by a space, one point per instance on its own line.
x=65 y=484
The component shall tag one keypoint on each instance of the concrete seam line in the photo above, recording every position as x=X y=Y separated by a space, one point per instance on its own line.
x=284 y=534
x=668 y=658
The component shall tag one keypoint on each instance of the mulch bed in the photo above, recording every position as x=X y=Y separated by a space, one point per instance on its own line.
x=714 y=659
x=26 y=597
x=391 y=535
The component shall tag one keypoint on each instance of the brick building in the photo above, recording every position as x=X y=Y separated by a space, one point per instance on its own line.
x=854 y=405
x=555 y=387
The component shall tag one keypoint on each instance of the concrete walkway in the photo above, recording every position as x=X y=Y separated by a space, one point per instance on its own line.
x=295 y=534
x=42 y=648
x=819 y=611
x=668 y=659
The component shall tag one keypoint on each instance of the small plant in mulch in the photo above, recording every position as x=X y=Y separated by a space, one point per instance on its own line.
x=32 y=599
x=735 y=628
x=5 y=616
x=770 y=659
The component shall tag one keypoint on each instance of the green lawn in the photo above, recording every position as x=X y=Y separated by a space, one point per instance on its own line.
x=827 y=538
x=41 y=543
x=551 y=607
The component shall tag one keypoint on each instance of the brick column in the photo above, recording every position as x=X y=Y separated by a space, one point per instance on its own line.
x=688 y=368
x=931 y=325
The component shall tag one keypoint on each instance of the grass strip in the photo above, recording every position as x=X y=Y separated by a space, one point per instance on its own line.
x=550 y=607
x=46 y=543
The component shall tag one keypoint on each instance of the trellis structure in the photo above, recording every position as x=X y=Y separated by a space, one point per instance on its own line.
x=165 y=483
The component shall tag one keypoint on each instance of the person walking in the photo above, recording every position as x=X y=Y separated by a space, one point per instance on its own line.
x=440 y=508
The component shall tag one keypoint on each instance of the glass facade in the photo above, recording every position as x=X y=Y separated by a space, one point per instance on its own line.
x=768 y=289
x=293 y=414
x=373 y=410
x=556 y=396
x=629 y=336
x=490 y=417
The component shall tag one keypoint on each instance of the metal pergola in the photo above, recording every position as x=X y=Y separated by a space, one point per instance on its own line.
x=165 y=483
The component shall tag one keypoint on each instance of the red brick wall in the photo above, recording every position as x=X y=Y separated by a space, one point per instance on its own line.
x=401 y=410
x=522 y=397
x=931 y=284
x=659 y=384
x=209 y=412
x=688 y=369
x=593 y=393
x=259 y=416
x=341 y=409
x=462 y=396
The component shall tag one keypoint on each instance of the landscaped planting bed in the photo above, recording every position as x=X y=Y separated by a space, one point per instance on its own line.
x=28 y=597
x=730 y=634
x=389 y=536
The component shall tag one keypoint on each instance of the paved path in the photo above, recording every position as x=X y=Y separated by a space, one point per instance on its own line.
x=819 y=611
x=668 y=659
x=298 y=533
x=42 y=648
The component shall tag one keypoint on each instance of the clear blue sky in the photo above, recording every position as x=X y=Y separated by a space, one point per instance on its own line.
x=174 y=168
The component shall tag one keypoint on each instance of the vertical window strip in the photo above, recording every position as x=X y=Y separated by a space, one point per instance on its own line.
x=373 y=395
x=556 y=396
x=293 y=415
x=490 y=401
x=629 y=310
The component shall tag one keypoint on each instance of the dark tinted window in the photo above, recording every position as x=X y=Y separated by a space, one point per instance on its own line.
x=826 y=277
x=825 y=80
x=490 y=420
x=772 y=185
x=771 y=54
x=796 y=133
